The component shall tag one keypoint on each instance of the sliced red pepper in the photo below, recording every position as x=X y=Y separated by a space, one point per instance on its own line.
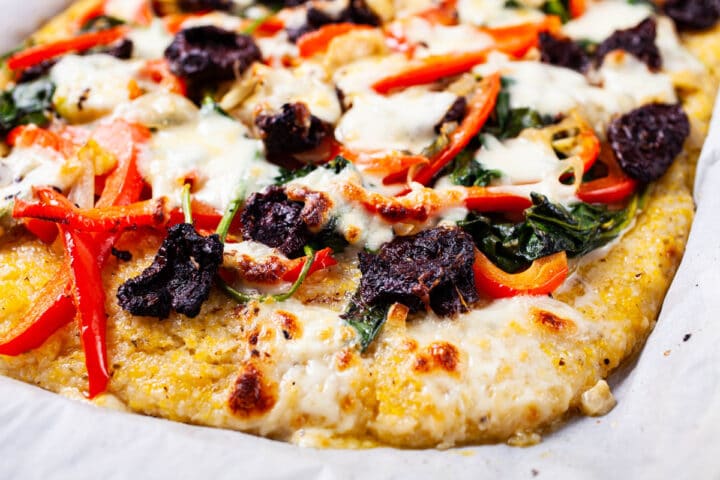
x=46 y=231
x=527 y=31
x=32 y=135
x=543 y=277
x=323 y=260
x=269 y=27
x=90 y=304
x=34 y=55
x=482 y=199
x=94 y=10
x=54 y=207
x=318 y=40
x=124 y=185
x=479 y=109
x=52 y=309
x=159 y=72
x=174 y=22
x=577 y=8
x=613 y=188
x=205 y=216
x=444 y=13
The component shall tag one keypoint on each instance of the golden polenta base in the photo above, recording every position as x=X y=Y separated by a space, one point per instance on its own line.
x=194 y=370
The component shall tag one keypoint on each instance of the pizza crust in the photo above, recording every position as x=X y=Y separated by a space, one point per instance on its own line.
x=288 y=371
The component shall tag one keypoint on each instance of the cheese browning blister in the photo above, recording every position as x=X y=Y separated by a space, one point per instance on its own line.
x=348 y=222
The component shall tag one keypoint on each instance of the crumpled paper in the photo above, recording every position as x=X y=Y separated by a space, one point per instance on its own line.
x=666 y=424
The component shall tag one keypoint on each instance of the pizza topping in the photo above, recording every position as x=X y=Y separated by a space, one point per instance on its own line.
x=292 y=130
x=454 y=115
x=432 y=269
x=692 y=14
x=563 y=52
x=209 y=54
x=356 y=11
x=639 y=41
x=647 y=139
x=276 y=221
x=179 y=278
x=542 y=277
x=168 y=7
x=26 y=103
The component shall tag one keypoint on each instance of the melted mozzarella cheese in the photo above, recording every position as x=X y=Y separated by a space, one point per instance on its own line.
x=520 y=160
x=601 y=19
x=215 y=19
x=278 y=86
x=150 y=42
x=33 y=166
x=127 y=10
x=439 y=39
x=359 y=227
x=158 y=110
x=675 y=57
x=90 y=86
x=404 y=121
x=217 y=151
x=494 y=13
x=358 y=77
x=623 y=74
x=278 y=46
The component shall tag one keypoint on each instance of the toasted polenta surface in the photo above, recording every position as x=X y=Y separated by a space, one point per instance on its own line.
x=505 y=370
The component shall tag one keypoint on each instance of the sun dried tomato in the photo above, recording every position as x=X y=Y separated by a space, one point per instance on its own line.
x=647 y=139
x=638 y=41
x=179 y=278
x=209 y=54
x=432 y=268
x=455 y=113
x=562 y=52
x=693 y=14
x=292 y=130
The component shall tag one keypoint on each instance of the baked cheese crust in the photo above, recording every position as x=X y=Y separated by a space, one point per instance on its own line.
x=507 y=370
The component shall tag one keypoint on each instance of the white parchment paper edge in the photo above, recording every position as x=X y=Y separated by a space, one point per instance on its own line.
x=666 y=425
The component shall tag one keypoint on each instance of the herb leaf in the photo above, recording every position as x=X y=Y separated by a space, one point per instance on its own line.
x=337 y=165
x=366 y=320
x=465 y=170
x=548 y=228
x=559 y=8
x=26 y=103
x=506 y=122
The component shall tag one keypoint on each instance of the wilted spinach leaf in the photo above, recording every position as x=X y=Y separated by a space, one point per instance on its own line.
x=506 y=122
x=559 y=8
x=26 y=103
x=101 y=22
x=337 y=165
x=367 y=320
x=548 y=228
x=465 y=170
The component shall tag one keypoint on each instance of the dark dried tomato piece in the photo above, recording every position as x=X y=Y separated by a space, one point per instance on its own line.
x=121 y=49
x=647 y=139
x=563 y=52
x=357 y=12
x=165 y=7
x=292 y=130
x=36 y=71
x=276 y=221
x=431 y=268
x=208 y=54
x=638 y=41
x=455 y=113
x=179 y=278
x=693 y=14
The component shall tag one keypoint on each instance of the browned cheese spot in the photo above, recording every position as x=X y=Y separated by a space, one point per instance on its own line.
x=553 y=323
x=253 y=394
x=291 y=327
x=345 y=358
x=438 y=356
x=317 y=205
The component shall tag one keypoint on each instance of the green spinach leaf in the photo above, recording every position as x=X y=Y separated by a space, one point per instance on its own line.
x=26 y=103
x=559 y=8
x=506 y=122
x=465 y=170
x=337 y=165
x=548 y=228
x=366 y=320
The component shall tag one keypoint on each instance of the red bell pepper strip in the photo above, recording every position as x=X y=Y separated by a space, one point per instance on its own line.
x=613 y=188
x=159 y=72
x=482 y=199
x=32 y=135
x=445 y=13
x=480 y=107
x=204 y=216
x=54 y=207
x=124 y=185
x=323 y=260
x=52 y=310
x=527 y=31
x=34 y=55
x=543 y=277
x=318 y=40
x=90 y=304
x=577 y=8
x=94 y=10
x=46 y=231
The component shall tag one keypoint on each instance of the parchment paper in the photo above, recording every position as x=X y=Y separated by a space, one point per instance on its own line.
x=666 y=425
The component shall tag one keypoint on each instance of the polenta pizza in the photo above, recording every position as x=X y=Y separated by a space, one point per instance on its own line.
x=417 y=223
